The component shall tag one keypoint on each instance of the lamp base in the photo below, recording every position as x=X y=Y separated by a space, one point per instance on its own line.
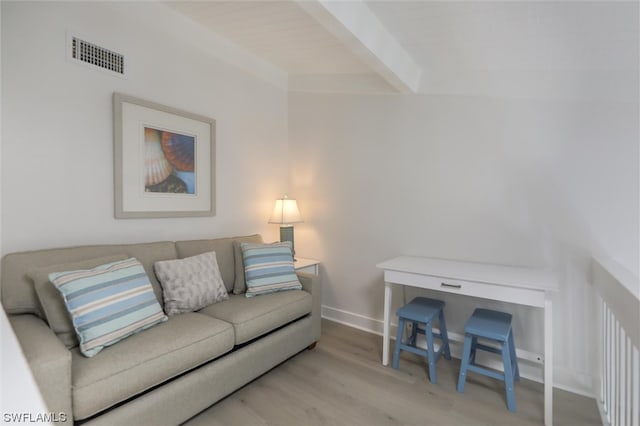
x=286 y=234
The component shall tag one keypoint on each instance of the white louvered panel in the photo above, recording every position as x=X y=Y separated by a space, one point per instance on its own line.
x=97 y=56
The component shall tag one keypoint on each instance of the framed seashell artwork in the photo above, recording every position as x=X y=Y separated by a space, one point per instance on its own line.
x=164 y=160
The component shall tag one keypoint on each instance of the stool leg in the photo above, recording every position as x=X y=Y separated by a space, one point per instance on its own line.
x=414 y=334
x=396 y=352
x=430 y=352
x=508 y=376
x=466 y=353
x=472 y=356
x=514 y=358
x=445 y=336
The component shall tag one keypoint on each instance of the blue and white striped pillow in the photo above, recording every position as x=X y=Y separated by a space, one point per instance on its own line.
x=269 y=268
x=108 y=303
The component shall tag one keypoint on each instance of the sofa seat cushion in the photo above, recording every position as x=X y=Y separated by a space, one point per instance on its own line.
x=145 y=360
x=255 y=316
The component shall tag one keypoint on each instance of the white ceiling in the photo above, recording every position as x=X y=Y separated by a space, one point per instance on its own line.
x=475 y=47
x=279 y=32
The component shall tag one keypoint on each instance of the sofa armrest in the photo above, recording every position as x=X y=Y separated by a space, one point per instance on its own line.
x=49 y=360
x=313 y=284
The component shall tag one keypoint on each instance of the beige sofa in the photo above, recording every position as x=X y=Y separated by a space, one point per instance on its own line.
x=172 y=371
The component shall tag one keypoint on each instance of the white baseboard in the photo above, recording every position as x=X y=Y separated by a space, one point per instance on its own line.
x=530 y=363
x=353 y=320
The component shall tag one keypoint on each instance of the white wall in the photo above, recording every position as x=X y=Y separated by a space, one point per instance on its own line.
x=522 y=148
x=57 y=139
x=504 y=181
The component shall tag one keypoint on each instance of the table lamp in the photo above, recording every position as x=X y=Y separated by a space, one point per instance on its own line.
x=286 y=213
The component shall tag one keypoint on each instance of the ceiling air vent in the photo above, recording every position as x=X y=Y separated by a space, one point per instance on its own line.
x=95 y=55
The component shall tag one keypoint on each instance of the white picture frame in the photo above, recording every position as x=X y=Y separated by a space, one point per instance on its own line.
x=164 y=160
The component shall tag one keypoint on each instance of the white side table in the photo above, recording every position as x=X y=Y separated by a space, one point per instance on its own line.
x=311 y=266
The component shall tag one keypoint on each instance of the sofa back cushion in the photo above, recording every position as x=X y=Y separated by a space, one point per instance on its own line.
x=18 y=292
x=224 y=253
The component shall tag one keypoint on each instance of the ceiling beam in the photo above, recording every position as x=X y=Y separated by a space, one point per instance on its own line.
x=353 y=23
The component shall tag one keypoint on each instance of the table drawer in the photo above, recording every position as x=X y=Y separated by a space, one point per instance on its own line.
x=522 y=296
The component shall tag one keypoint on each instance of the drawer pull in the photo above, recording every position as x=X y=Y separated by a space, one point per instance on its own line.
x=451 y=285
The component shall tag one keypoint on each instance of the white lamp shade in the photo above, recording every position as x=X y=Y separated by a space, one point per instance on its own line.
x=285 y=212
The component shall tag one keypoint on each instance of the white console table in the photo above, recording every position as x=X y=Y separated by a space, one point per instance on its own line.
x=524 y=286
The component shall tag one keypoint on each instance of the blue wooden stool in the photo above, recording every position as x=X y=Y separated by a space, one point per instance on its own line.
x=422 y=310
x=494 y=326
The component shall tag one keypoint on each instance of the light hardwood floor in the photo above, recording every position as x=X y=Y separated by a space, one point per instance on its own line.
x=342 y=382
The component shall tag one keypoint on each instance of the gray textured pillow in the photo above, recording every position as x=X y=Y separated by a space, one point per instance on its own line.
x=51 y=300
x=191 y=283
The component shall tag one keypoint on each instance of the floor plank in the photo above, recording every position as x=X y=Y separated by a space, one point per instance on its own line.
x=342 y=382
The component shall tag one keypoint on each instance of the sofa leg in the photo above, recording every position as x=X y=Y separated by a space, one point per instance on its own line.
x=312 y=346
